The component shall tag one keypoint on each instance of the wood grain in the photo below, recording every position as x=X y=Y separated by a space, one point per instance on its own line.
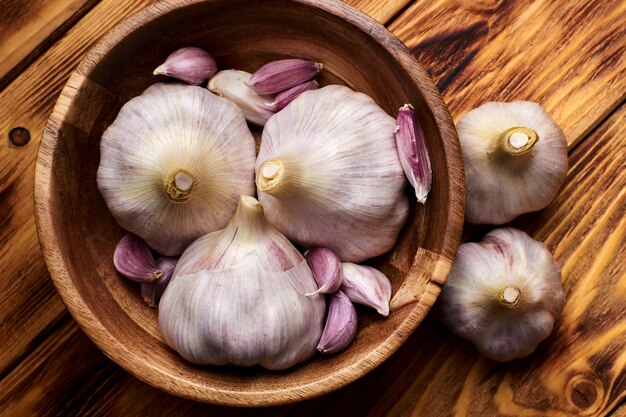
x=28 y=28
x=568 y=56
x=579 y=371
x=30 y=304
x=450 y=36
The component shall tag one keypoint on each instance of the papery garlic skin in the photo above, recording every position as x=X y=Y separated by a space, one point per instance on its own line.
x=515 y=160
x=237 y=297
x=503 y=294
x=328 y=174
x=173 y=164
x=233 y=85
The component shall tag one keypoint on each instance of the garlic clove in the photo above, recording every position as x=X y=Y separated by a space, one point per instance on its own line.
x=515 y=160
x=133 y=259
x=281 y=75
x=151 y=292
x=502 y=294
x=326 y=268
x=173 y=164
x=413 y=152
x=237 y=297
x=190 y=64
x=233 y=85
x=285 y=97
x=328 y=168
x=366 y=285
x=341 y=325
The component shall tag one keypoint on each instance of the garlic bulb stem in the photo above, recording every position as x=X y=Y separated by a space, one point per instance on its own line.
x=509 y=296
x=278 y=176
x=518 y=140
x=179 y=185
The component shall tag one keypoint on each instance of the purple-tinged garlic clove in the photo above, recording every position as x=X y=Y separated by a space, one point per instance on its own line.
x=190 y=64
x=233 y=85
x=326 y=268
x=340 y=327
x=413 y=152
x=366 y=285
x=285 y=97
x=151 y=292
x=133 y=259
x=281 y=75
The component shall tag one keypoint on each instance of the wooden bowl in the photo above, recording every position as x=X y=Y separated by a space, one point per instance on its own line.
x=78 y=234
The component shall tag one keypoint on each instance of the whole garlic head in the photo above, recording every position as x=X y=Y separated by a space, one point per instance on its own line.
x=173 y=164
x=238 y=297
x=503 y=294
x=515 y=160
x=328 y=174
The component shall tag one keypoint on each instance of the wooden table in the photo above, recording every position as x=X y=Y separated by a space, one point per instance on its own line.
x=568 y=55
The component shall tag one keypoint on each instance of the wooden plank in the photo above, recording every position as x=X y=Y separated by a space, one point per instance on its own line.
x=30 y=303
x=382 y=11
x=579 y=370
x=569 y=56
x=31 y=306
x=27 y=28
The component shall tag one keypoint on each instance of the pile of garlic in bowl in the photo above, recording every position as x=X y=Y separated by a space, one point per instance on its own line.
x=257 y=259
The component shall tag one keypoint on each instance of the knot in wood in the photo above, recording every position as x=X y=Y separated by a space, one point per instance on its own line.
x=584 y=393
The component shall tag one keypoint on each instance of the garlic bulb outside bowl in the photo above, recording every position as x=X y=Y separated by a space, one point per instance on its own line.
x=328 y=174
x=515 y=160
x=503 y=294
x=238 y=297
x=174 y=163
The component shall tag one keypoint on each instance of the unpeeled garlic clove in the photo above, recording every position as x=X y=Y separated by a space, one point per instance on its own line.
x=285 y=97
x=341 y=324
x=366 y=285
x=133 y=259
x=281 y=75
x=233 y=85
x=326 y=268
x=151 y=292
x=413 y=152
x=190 y=64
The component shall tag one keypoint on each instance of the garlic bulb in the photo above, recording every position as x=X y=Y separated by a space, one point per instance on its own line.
x=328 y=174
x=237 y=297
x=503 y=294
x=515 y=160
x=173 y=164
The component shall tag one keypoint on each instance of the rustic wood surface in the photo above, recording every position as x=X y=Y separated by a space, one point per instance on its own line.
x=569 y=56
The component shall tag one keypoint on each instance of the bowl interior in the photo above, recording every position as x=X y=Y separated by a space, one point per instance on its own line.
x=78 y=234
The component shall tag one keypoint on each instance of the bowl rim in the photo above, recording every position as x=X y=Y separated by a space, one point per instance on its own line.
x=140 y=366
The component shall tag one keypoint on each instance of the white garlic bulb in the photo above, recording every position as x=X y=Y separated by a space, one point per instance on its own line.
x=238 y=297
x=503 y=294
x=515 y=160
x=328 y=174
x=173 y=164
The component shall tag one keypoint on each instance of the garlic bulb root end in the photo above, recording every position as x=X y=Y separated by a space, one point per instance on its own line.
x=179 y=185
x=270 y=175
x=518 y=140
x=509 y=296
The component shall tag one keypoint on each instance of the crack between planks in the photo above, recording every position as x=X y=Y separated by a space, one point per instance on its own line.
x=45 y=44
x=598 y=124
x=399 y=13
